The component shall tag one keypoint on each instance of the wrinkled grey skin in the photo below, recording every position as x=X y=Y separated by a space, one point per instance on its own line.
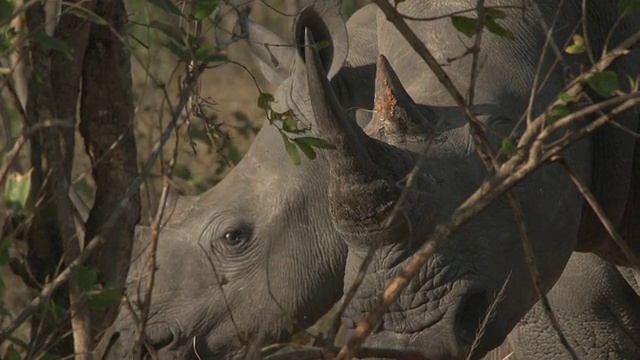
x=258 y=251
x=441 y=308
x=597 y=309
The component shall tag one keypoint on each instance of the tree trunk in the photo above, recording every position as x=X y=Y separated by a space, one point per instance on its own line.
x=107 y=127
x=53 y=94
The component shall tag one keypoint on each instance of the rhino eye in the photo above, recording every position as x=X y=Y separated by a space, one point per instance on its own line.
x=234 y=237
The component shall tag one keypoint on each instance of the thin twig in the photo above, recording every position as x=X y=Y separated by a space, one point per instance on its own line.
x=597 y=209
x=22 y=140
x=489 y=315
x=532 y=265
x=476 y=53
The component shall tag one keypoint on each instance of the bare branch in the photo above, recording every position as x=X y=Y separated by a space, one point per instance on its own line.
x=532 y=265
x=597 y=209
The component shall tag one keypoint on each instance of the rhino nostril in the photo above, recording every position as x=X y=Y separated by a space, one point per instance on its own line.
x=160 y=339
x=470 y=314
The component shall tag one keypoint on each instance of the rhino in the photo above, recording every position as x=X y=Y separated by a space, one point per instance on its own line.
x=476 y=286
x=275 y=244
x=240 y=264
x=598 y=309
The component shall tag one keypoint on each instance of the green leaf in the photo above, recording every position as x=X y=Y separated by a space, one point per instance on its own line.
x=104 y=299
x=5 y=245
x=52 y=311
x=264 y=99
x=467 y=26
x=497 y=29
x=292 y=150
x=507 y=146
x=84 y=278
x=566 y=97
x=558 y=111
x=167 y=6
x=234 y=154
x=12 y=354
x=322 y=45
x=628 y=7
x=52 y=43
x=171 y=31
x=577 y=47
x=317 y=142
x=201 y=9
x=632 y=83
x=3 y=287
x=178 y=49
x=84 y=13
x=181 y=171
x=494 y=13
x=6 y=9
x=306 y=148
x=16 y=341
x=48 y=356
x=289 y=324
x=207 y=54
x=289 y=124
x=605 y=83
x=16 y=190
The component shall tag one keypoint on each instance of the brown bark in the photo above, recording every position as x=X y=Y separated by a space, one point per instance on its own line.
x=107 y=127
x=54 y=88
x=53 y=94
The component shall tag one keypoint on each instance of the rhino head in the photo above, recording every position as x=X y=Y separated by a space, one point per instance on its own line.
x=239 y=264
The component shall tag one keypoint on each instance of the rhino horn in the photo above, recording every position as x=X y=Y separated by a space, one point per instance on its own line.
x=362 y=193
x=396 y=116
x=331 y=119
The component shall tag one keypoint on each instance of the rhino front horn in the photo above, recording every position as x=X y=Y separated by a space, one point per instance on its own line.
x=331 y=120
x=396 y=116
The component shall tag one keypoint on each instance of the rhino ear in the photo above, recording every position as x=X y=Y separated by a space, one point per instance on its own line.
x=276 y=56
x=323 y=20
x=396 y=116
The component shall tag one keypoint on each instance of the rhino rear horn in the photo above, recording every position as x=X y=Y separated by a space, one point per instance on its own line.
x=396 y=116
